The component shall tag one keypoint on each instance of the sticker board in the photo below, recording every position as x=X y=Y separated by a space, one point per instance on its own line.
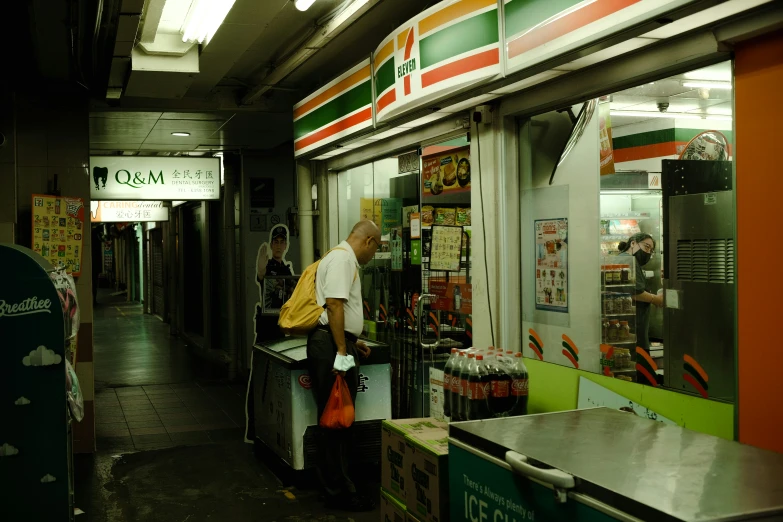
x=58 y=231
x=551 y=264
x=446 y=251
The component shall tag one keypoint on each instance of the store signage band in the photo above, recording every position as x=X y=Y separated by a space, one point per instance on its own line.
x=456 y=44
x=124 y=211
x=131 y=178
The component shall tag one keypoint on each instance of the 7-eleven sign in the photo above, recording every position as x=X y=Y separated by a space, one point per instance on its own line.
x=407 y=56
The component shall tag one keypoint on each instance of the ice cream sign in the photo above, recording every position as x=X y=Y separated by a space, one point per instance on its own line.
x=154 y=178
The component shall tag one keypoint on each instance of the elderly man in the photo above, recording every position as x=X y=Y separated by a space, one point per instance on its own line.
x=333 y=347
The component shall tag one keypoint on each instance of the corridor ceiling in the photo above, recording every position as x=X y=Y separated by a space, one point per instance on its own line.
x=238 y=99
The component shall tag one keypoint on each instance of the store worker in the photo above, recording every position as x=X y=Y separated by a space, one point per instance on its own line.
x=642 y=247
x=332 y=348
x=271 y=261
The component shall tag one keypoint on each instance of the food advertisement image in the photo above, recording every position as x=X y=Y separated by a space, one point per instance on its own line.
x=551 y=264
x=58 y=229
x=447 y=172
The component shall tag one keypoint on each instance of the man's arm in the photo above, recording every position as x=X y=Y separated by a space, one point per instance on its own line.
x=336 y=315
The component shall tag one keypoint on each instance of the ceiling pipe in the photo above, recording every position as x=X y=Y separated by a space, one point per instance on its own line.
x=325 y=34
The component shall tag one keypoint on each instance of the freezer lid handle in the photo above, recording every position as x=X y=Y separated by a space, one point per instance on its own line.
x=559 y=479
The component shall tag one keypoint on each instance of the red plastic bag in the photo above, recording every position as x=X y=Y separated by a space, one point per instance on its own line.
x=339 y=411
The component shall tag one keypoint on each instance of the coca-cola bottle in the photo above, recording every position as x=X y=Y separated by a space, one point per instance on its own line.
x=478 y=390
x=447 y=374
x=463 y=385
x=501 y=401
x=456 y=374
x=519 y=385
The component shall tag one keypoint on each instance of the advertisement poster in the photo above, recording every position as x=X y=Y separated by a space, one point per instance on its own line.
x=395 y=245
x=452 y=297
x=58 y=229
x=446 y=173
x=552 y=264
x=446 y=250
x=605 y=137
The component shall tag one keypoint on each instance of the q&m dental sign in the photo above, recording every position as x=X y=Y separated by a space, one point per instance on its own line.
x=154 y=178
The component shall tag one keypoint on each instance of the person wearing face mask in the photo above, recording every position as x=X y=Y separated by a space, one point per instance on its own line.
x=642 y=247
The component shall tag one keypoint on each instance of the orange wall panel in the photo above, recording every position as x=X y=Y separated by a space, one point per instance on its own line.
x=759 y=164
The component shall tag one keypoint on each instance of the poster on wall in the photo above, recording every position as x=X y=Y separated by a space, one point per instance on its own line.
x=395 y=246
x=446 y=250
x=452 y=297
x=605 y=137
x=58 y=230
x=446 y=173
x=271 y=264
x=551 y=264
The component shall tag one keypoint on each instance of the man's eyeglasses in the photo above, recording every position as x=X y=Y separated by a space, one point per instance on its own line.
x=377 y=245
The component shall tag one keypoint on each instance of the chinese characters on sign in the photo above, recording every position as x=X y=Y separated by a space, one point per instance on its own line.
x=446 y=250
x=58 y=228
x=135 y=178
x=124 y=211
x=551 y=264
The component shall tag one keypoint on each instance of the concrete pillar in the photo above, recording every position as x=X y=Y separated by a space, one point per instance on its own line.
x=324 y=207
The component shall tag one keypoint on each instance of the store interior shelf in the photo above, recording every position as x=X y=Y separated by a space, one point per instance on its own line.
x=615 y=343
x=630 y=283
x=606 y=238
x=642 y=215
x=627 y=370
x=625 y=314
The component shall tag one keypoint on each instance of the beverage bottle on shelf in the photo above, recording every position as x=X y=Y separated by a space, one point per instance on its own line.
x=463 y=385
x=500 y=399
x=519 y=386
x=448 y=371
x=478 y=390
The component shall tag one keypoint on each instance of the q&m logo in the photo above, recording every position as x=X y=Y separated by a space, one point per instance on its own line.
x=123 y=177
x=409 y=63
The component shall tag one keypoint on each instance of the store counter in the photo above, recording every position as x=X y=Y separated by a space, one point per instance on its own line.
x=281 y=406
x=606 y=465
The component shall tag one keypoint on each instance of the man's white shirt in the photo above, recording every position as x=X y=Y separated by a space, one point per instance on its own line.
x=337 y=278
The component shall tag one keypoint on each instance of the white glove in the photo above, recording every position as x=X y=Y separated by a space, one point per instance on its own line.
x=343 y=363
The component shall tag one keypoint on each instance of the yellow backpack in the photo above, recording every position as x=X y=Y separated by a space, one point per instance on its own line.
x=300 y=314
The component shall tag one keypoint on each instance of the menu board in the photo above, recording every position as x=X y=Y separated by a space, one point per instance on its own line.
x=552 y=264
x=446 y=251
x=58 y=231
x=446 y=173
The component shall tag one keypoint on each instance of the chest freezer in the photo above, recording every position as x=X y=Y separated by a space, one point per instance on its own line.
x=603 y=465
x=281 y=405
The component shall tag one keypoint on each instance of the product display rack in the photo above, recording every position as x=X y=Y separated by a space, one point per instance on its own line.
x=618 y=316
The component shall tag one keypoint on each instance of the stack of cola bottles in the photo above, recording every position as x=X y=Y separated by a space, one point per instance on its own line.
x=484 y=384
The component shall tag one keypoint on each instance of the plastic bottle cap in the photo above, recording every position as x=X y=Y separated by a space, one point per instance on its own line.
x=500 y=355
x=462 y=354
x=454 y=350
x=518 y=354
x=509 y=352
x=472 y=355
x=479 y=357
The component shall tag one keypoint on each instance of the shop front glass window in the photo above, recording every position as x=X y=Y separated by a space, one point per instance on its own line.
x=628 y=212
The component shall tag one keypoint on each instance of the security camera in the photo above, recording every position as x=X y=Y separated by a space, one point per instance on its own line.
x=663 y=106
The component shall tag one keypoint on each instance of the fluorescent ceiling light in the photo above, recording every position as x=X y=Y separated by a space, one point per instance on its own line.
x=701 y=84
x=303 y=5
x=204 y=18
x=180 y=134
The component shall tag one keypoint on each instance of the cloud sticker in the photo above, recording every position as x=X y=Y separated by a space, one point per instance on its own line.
x=42 y=356
x=22 y=401
x=47 y=478
x=6 y=450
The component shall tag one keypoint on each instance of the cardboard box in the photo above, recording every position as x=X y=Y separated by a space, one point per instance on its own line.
x=427 y=475
x=392 y=510
x=395 y=451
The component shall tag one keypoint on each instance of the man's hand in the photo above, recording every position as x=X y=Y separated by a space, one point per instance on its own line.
x=363 y=349
x=263 y=259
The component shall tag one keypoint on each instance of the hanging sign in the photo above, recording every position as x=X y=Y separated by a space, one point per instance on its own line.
x=446 y=173
x=408 y=162
x=551 y=264
x=605 y=138
x=154 y=178
x=58 y=229
x=446 y=252
x=447 y=47
x=123 y=211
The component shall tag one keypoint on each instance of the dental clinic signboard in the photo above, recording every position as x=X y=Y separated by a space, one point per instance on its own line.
x=124 y=211
x=131 y=178
x=450 y=46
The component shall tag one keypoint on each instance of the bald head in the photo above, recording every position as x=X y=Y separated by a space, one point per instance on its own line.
x=365 y=239
x=365 y=228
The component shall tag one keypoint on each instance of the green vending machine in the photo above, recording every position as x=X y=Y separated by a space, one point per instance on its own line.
x=35 y=440
x=601 y=465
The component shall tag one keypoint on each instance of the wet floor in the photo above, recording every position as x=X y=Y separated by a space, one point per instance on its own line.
x=170 y=438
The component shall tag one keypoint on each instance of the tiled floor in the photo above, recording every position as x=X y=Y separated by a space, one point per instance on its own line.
x=159 y=416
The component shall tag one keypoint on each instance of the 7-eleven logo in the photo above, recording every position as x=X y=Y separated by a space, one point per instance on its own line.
x=408 y=65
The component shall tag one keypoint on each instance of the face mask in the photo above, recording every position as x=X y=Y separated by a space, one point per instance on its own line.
x=642 y=256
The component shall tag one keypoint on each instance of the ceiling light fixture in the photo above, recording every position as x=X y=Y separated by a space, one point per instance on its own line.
x=702 y=84
x=204 y=19
x=180 y=134
x=303 y=5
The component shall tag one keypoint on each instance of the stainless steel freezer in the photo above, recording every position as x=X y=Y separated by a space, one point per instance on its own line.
x=602 y=464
